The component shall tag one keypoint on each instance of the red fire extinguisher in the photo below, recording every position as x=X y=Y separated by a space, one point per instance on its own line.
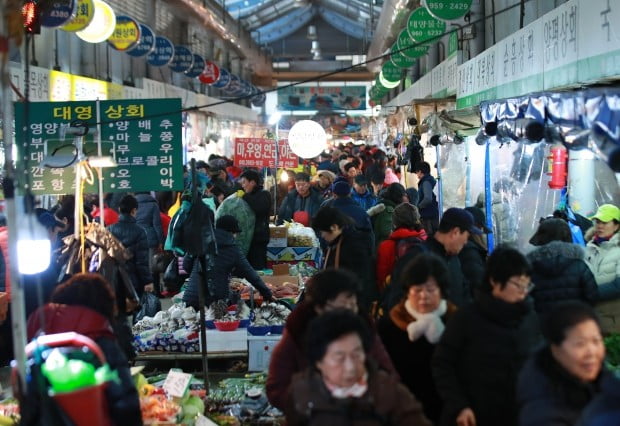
x=558 y=161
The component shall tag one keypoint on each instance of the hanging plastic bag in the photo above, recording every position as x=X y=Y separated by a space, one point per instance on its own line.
x=149 y=306
x=236 y=206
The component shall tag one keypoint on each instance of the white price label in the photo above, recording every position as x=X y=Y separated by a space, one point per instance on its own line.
x=177 y=383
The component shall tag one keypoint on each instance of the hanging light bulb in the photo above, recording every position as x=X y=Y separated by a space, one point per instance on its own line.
x=33 y=245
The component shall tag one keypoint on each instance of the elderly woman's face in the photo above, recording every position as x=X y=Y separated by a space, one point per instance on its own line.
x=425 y=297
x=582 y=351
x=606 y=229
x=343 y=362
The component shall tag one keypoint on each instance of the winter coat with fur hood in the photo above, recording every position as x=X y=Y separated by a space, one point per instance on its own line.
x=560 y=273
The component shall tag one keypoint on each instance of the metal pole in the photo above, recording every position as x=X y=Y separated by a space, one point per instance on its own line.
x=99 y=169
x=18 y=308
x=277 y=155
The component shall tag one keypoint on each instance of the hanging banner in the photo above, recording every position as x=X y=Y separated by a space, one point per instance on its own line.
x=197 y=67
x=223 y=81
x=126 y=33
x=210 y=74
x=309 y=98
x=58 y=14
x=143 y=136
x=447 y=10
x=84 y=14
x=162 y=54
x=182 y=60
x=422 y=27
x=258 y=152
x=146 y=43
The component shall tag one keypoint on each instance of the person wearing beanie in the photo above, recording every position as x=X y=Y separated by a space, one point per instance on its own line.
x=230 y=261
x=407 y=231
x=342 y=201
x=323 y=183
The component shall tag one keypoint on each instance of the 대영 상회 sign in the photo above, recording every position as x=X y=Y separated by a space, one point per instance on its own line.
x=142 y=135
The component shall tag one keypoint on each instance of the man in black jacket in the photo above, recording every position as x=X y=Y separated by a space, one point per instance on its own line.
x=229 y=261
x=134 y=238
x=454 y=229
x=259 y=201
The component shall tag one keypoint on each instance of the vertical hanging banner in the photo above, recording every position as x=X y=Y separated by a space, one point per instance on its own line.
x=143 y=136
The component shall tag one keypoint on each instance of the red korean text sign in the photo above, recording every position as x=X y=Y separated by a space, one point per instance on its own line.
x=259 y=152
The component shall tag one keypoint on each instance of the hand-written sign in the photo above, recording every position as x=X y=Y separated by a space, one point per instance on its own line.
x=258 y=152
x=177 y=383
x=143 y=136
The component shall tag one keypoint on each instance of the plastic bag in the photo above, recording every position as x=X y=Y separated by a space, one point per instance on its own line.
x=172 y=278
x=149 y=306
x=237 y=207
x=301 y=236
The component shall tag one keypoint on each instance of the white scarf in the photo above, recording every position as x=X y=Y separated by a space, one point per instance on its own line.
x=357 y=390
x=429 y=324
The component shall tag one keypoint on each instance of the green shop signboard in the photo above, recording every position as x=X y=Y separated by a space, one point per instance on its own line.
x=398 y=59
x=410 y=48
x=422 y=27
x=448 y=10
x=142 y=135
x=391 y=72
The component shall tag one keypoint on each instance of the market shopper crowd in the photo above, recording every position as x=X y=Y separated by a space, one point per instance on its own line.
x=410 y=321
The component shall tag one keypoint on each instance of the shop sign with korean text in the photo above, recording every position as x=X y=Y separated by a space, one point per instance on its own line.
x=309 y=98
x=142 y=135
x=258 y=152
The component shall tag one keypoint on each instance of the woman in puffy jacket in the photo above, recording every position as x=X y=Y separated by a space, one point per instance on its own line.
x=558 y=267
x=603 y=258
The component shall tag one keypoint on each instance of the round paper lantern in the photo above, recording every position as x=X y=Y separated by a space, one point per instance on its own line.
x=307 y=138
x=102 y=26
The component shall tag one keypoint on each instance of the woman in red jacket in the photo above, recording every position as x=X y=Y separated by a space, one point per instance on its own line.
x=408 y=231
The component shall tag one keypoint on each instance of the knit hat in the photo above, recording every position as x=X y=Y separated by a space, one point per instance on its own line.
x=328 y=174
x=405 y=216
x=390 y=177
x=341 y=188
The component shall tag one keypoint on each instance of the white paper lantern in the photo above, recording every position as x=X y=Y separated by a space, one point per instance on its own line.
x=307 y=138
x=102 y=26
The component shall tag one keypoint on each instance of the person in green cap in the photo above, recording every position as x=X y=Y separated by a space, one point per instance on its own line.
x=603 y=258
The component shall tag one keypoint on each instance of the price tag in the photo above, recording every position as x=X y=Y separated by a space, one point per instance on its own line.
x=177 y=383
